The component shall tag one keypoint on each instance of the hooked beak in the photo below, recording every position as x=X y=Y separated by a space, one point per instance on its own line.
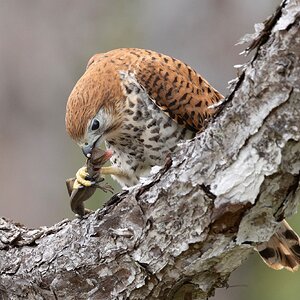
x=87 y=149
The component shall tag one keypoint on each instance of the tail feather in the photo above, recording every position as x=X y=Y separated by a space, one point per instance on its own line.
x=282 y=250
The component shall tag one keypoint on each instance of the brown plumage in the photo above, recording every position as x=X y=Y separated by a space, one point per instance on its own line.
x=171 y=84
x=282 y=250
x=142 y=104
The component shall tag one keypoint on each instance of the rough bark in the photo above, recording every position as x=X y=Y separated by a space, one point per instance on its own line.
x=180 y=233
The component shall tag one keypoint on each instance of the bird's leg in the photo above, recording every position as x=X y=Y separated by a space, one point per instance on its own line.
x=83 y=177
x=112 y=171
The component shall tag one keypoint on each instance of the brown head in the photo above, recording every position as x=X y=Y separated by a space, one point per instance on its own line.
x=95 y=106
x=92 y=108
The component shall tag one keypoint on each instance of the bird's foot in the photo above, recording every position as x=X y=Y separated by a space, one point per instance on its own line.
x=83 y=178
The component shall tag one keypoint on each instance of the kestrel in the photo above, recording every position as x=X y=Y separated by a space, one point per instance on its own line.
x=141 y=104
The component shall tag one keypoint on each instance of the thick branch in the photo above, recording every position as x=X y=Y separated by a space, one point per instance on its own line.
x=183 y=231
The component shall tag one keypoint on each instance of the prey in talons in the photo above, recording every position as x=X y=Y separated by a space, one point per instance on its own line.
x=87 y=180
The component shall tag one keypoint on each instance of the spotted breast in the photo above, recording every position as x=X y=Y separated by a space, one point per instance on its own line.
x=146 y=135
x=141 y=104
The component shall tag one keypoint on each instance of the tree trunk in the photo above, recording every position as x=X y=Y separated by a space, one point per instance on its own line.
x=180 y=233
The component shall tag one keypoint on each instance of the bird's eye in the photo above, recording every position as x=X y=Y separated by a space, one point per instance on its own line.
x=95 y=124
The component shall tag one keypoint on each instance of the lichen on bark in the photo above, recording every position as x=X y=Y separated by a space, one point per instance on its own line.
x=180 y=233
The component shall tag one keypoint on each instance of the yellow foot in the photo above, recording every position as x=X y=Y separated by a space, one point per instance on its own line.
x=82 y=178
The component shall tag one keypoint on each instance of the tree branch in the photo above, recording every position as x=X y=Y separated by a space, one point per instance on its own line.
x=180 y=233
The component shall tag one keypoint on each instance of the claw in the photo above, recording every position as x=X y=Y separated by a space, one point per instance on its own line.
x=87 y=180
x=76 y=185
x=82 y=177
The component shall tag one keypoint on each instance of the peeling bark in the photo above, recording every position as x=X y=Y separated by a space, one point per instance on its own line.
x=180 y=233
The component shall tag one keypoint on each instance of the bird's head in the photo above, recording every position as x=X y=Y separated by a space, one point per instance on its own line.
x=95 y=132
x=93 y=112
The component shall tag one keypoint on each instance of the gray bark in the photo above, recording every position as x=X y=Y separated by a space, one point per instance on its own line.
x=180 y=233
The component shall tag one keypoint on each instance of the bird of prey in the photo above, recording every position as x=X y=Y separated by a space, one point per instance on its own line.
x=141 y=104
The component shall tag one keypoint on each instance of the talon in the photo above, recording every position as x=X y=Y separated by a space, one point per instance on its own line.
x=76 y=185
x=82 y=172
x=82 y=177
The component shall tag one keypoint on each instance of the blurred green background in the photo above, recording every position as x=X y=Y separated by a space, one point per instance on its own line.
x=44 y=48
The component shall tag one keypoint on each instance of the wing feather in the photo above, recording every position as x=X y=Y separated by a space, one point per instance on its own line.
x=178 y=90
x=172 y=85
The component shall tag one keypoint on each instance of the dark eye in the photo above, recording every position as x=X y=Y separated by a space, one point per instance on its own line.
x=95 y=124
